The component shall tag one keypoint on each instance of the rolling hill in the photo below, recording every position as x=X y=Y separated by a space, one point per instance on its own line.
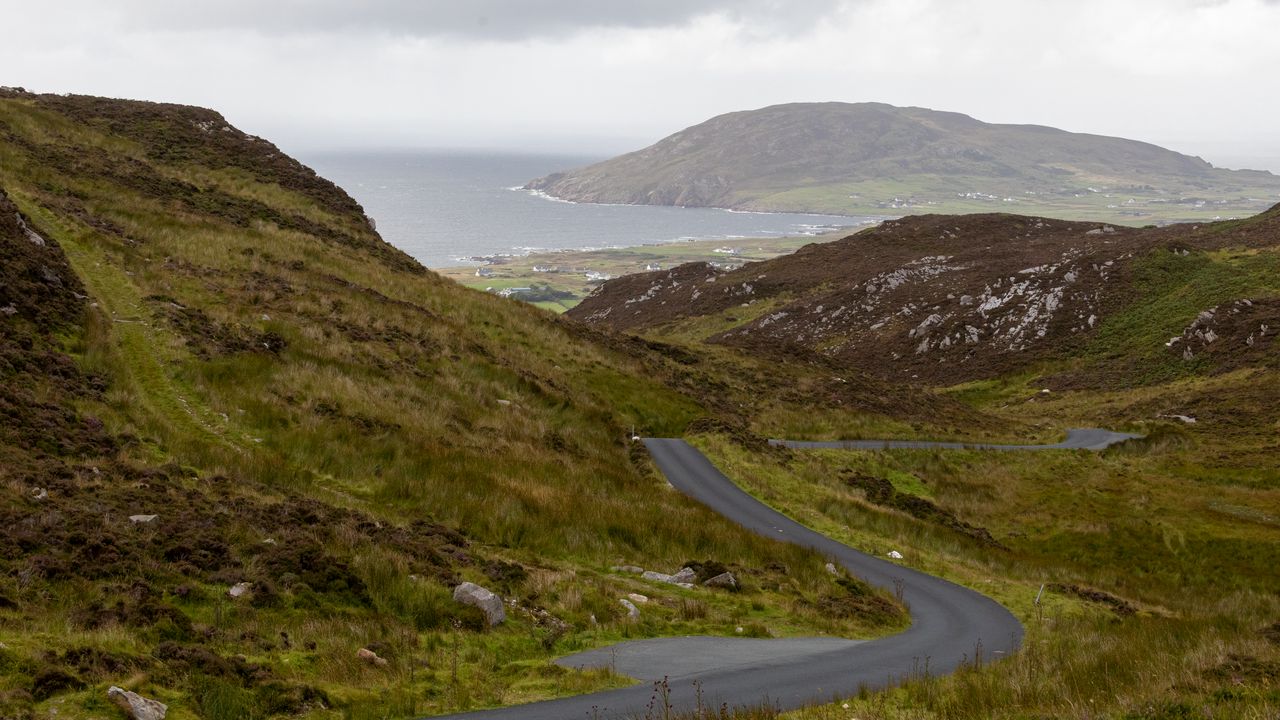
x=942 y=299
x=871 y=158
x=214 y=374
x=248 y=449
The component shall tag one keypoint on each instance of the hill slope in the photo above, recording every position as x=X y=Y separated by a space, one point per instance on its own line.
x=214 y=372
x=1168 y=333
x=944 y=299
x=879 y=159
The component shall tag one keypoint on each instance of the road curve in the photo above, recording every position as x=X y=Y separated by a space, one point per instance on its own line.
x=1077 y=439
x=950 y=623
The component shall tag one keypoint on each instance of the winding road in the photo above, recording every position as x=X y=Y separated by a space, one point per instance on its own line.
x=950 y=624
x=1077 y=439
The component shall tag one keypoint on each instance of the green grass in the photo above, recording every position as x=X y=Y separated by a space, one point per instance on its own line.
x=1171 y=289
x=924 y=193
x=1182 y=526
x=403 y=407
x=391 y=397
x=616 y=262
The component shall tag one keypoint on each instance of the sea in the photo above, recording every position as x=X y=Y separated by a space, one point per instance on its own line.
x=454 y=209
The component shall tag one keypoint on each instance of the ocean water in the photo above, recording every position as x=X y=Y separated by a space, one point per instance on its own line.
x=456 y=209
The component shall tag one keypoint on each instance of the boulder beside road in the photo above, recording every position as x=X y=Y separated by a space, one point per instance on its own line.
x=469 y=593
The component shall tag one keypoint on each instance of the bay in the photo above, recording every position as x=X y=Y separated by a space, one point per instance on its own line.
x=450 y=209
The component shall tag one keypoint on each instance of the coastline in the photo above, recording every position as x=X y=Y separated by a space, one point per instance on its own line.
x=558 y=279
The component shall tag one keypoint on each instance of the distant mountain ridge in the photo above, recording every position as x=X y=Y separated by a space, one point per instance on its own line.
x=866 y=157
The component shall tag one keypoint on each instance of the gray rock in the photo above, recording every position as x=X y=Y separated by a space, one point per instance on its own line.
x=656 y=576
x=9 y=310
x=32 y=235
x=142 y=519
x=637 y=597
x=135 y=706
x=39 y=493
x=633 y=612
x=831 y=568
x=629 y=569
x=469 y=593
x=723 y=580
x=686 y=575
x=240 y=589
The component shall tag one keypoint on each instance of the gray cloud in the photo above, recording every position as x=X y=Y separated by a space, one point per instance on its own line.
x=491 y=19
x=610 y=75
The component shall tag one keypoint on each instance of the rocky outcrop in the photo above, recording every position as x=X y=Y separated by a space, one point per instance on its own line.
x=684 y=578
x=724 y=580
x=490 y=604
x=135 y=706
x=951 y=296
x=940 y=299
x=1231 y=334
x=633 y=612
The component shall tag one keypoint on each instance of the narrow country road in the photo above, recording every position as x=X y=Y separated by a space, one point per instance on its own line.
x=950 y=624
x=1078 y=439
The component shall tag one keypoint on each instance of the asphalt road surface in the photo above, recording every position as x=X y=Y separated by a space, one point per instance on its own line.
x=950 y=624
x=1078 y=439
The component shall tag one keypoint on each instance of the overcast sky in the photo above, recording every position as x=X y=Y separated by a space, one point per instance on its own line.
x=599 y=76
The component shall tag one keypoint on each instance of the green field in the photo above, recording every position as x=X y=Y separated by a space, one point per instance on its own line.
x=572 y=266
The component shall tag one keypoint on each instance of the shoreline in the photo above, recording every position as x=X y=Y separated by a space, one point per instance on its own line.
x=544 y=195
x=558 y=279
x=502 y=258
x=858 y=222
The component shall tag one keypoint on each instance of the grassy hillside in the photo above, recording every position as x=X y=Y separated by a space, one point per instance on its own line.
x=871 y=158
x=1153 y=562
x=196 y=327
x=939 y=299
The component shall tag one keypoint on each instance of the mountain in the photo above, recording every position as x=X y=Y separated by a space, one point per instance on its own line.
x=942 y=299
x=871 y=158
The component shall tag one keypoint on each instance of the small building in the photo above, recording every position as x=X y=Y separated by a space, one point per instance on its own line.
x=484 y=272
x=652 y=267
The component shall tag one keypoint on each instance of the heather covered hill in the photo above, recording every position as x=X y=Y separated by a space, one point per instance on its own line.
x=249 y=449
x=879 y=159
x=216 y=376
x=942 y=299
x=1167 y=541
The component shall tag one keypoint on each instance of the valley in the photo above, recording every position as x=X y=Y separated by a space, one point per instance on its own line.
x=254 y=458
